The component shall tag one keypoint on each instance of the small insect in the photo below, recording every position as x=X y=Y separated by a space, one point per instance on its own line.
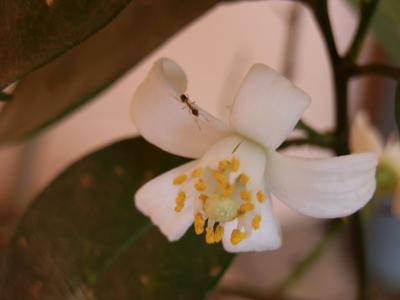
x=189 y=104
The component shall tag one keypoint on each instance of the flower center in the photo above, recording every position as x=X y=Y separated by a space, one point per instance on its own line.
x=222 y=195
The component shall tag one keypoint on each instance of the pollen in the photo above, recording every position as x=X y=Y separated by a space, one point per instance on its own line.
x=260 y=196
x=237 y=236
x=197 y=172
x=235 y=164
x=210 y=237
x=219 y=177
x=223 y=165
x=245 y=195
x=203 y=197
x=244 y=208
x=228 y=190
x=179 y=179
x=200 y=185
x=255 y=223
x=244 y=179
x=218 y=233
x=199 y=223
x=180 y=201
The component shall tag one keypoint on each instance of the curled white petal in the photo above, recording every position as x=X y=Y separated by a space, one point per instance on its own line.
x=156 y=199
x=267 y=237
x=267 y=106
x=322 y=188
x=165 y=121
x=364 y=137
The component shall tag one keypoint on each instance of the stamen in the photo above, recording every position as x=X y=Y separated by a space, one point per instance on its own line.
x=218 y=233
x=219 y=177
x=223 y=165
x=235 y=164
x=244 y=208
x=199 y=223
x=255 y=223
x=180 y=179
x=200 y=185
x=260 y=196
x=245 y=195
x=180 y=201
x=228 y=190
x=237 y=236
x=244 y=179
x=197 y=172
x=210 y=238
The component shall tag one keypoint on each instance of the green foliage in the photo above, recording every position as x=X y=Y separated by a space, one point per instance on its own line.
x=80 y=74
x=83 y=239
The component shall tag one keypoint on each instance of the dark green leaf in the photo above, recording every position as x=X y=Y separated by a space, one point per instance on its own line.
x=83 y=238
x=80 y=74
x=34 y=32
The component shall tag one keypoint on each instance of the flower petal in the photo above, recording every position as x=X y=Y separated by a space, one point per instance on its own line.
x=156 y=199
x=267 y=237
x=165 y=121
x=364 y=137
x=267 y=107
x=322 y=188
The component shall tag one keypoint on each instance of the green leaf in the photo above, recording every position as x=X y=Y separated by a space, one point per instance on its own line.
x=83 y=239
x=80 y=74
x=34 y=32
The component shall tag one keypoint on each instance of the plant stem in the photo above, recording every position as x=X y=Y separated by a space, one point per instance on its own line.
x=367 y=12
x=308 y=261
x=380 y=69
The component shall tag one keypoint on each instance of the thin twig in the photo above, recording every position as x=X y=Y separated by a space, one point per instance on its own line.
x=304 y=265
x=367 y=12
x=378 y=69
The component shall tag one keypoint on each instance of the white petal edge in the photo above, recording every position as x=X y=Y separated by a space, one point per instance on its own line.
x=267 y=106
x=322 y=188
x=267 y=237
x=364 y=137
x=163 y=120
x=156 y=199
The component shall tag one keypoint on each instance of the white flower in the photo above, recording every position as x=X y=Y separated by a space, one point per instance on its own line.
x=364 y=137
x=226 y=190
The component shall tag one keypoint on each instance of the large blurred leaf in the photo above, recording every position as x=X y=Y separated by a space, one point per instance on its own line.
x=83 y=239
x=81 y=73
x=32 y=32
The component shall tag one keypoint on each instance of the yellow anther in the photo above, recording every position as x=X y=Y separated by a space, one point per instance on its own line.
x=199 y=223
x=203 y=197
x=179 y=179
x=244 y=208
x=260 y=196
x=237 y=236
x=223 y=165
x=243 y=179
x=235 y=164
x=228 y=190
x=255 y=223
x=219 y=177
x=210 y=238
x=245 y=195
x=180 y=201
x=218 y=233
x=197 y=172
x=200 y=185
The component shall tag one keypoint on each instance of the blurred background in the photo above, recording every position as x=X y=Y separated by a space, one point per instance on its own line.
x=216 y=51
